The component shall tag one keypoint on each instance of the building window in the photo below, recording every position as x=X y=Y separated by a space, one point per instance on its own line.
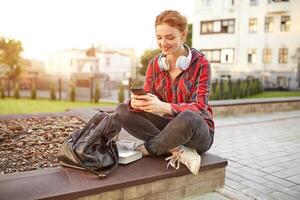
x=267 y=55
x=253 y=2
x=217 y=26
x=227 y=55
x=285 y=23
x=251 y=55
x=270 y=1
x=283 y=55
x=268 y=24
x=252 y=25
x=212 y=55
x=206 y=3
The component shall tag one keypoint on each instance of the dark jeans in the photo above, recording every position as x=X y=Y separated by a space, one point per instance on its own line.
x=161 y=134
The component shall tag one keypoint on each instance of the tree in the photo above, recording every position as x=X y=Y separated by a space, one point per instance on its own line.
x=10 y=58
x=146 y=57
x=189 y=35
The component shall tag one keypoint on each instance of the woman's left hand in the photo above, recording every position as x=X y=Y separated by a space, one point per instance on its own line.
x=153 y=105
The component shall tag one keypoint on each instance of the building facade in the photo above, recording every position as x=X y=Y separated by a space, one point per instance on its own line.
x=116 y=65
x=250 y=39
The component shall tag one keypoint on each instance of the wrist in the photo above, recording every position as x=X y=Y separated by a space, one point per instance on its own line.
x=167 y=108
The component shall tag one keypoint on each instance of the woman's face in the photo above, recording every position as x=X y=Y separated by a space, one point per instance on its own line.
x=169 y=39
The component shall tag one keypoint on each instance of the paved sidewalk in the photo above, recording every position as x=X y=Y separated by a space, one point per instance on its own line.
x=263 y=153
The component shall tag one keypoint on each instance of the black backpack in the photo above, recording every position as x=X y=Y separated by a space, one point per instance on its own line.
x=94 y=146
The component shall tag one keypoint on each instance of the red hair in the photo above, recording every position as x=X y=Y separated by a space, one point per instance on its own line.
x=173 y=18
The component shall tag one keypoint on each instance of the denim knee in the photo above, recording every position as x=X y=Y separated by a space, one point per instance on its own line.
x=189 y=118
x=122 y=111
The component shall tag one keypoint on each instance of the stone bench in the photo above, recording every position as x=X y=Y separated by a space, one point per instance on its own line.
x=147 y=178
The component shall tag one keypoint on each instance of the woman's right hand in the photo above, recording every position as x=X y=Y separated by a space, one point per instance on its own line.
x=137 y=101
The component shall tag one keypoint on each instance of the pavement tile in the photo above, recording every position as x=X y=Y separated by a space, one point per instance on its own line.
x=259 y=187
x=252 y=171
x=235 y=177
x=271 y=169
x=296 y=187
x=292 y=172
x=295 y=179
x=260 y=156
x=258 y=195
x=234 y=185
x=234 y=164
x=281 y=196
x=253 y=178
x=280 y=188
x=280 y=181
x=280 y=174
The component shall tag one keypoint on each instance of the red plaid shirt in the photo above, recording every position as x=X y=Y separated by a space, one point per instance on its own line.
x=189 y=91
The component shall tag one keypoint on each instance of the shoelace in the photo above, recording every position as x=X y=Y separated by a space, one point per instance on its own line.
x=174 y=161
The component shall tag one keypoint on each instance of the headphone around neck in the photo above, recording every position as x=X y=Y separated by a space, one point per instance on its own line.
x=183 y=62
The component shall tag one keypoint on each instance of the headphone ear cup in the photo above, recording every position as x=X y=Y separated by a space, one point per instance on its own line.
x=182 y=62
x=162 y=63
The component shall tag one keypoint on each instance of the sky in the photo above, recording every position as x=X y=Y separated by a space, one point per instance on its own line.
x=45 y=26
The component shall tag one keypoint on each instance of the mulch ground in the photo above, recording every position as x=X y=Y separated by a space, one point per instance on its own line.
x=30 y=144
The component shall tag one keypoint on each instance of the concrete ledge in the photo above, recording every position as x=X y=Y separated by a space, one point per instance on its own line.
x=147 y=177
x=245 y=106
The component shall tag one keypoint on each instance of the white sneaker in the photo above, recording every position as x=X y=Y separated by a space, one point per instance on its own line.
x=187 y=156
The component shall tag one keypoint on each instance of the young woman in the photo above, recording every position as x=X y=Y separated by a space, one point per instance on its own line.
x=174 y=116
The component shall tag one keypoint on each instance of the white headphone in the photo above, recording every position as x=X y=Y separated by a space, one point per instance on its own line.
x=182 y=62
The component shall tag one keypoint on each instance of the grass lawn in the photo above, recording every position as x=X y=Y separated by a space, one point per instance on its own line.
x=272 y=94
x=15 y=106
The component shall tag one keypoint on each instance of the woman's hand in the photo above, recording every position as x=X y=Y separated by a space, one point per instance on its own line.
x=150 y=103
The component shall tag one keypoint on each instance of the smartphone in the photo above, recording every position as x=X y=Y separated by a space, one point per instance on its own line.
x=138 y=91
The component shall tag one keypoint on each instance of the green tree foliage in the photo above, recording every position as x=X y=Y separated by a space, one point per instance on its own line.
x=189 y=35
x=97 y=94
x=52 y=92
x=2 y=92
x=146 y=57
x=33 y=91
x=121 y=94
x=72 y=92
x=17 y=91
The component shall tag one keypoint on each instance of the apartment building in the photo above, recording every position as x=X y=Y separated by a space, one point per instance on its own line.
x=250 y=39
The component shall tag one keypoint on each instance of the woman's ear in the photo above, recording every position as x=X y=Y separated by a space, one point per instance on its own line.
x=183 y=35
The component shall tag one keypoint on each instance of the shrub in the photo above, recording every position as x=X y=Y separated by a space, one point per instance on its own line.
x=2 y=92
x=121 y=94
x=72 y=92
x=217 y=92
x=226 y=90
x=52 y=92
x=97 y=94
x=17 y=91
x=33 y=91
